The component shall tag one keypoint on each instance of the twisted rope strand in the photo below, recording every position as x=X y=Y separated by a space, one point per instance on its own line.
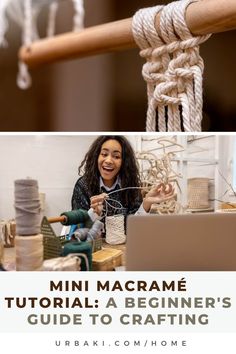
x=23 y=78
x=147 y=38
x=173 y=69
x=52 y=19
x=3 y=23
x=79 y=15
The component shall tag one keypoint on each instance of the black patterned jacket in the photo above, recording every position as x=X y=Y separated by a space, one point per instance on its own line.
x=81 y=199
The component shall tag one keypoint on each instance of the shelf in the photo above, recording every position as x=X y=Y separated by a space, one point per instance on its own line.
x=200 y=210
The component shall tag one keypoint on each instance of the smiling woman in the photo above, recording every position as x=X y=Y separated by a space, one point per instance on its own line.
x=109 y=161
x=109 y=166
x=110 y=185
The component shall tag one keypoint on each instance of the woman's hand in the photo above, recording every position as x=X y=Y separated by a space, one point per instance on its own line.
x=157 y=194
x=96 y=202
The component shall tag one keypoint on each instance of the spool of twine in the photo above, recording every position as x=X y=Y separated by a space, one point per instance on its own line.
x=96 y=230
x=198 y=193
x=76 y=217
x=115 y=230
x=29 y=241
x=92 y=234
x=27 y=207
x=81 y=234
x=29 y=253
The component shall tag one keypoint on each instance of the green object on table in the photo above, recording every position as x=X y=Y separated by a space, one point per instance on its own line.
x=78 y=216
x=79 y=247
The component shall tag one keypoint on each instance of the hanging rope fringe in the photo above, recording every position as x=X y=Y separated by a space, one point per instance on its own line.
x=23 y=78
x=3 y=23
x=25 y=14
x=52 y=19
x=173 y=69
x=79 y=15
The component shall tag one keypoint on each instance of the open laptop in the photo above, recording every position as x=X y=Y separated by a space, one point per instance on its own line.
x=187 y=242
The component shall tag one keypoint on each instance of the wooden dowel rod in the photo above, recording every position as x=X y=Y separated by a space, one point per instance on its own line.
x=91 y=41
x=203 y=17
x=56 y=219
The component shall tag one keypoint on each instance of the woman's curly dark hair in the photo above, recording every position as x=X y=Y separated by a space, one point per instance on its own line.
x=129 y=172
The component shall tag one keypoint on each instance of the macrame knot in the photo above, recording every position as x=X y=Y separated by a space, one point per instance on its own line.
x=163 y=93
x=173 y=69
x=150 y=72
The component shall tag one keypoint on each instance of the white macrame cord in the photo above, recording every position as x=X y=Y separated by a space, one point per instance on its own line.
x=23 y=78
x=173 y=69
x=115 y=224
x=115 y=232
x=25 y=14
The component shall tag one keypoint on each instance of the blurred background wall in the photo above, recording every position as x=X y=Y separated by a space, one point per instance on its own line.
x=106 y=92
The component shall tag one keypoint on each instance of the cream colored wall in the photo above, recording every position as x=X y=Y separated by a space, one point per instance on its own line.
x=52 y=160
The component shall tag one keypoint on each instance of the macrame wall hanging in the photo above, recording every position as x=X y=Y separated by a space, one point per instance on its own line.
x=159 y=169
x=25 y=13
x=173 y=69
